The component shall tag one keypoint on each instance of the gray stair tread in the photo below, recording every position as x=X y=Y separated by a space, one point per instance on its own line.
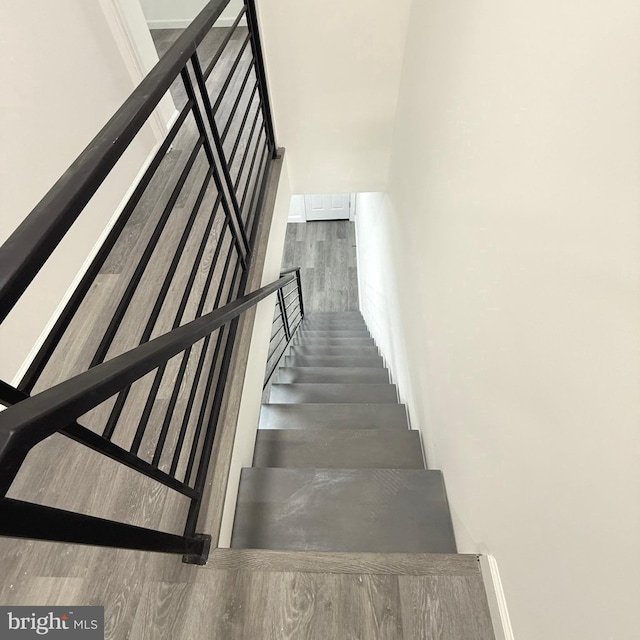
x=376 y=510
x=334 y=351
x=333 y=361
x=362 y=375
x=307 y=341
x=338 y=449
x=332 y=393
x=333 y=416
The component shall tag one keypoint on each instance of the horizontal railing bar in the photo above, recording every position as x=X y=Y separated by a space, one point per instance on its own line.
x=284 y=337
x=155 y=313
x=55 y=335
x=299 y=316
x=10 y=396
x=236 y=226
x=236 y=103
x=249 y=137
x=291 y=293
x=247 y=149
x=25 y=424
x=275 y=335
x=223 y=90
x=166 y=423
x=96 y=442
x=30 y=245
x=199 y=367
x=261 y=194
x=132 y=285
x=254 y=202
x=20 y=519
x=250 y=175
x=223 y=44
x=250 y=103
x=213 y=130
x=256 y=45
x=214 y=419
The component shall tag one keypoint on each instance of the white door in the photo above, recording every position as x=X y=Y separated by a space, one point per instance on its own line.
x=327 y=206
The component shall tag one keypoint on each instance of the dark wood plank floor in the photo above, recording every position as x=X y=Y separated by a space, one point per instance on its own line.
x=326 y=251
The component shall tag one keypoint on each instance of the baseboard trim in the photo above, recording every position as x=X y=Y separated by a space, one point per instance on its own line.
x=496 y=598
x=183 y=23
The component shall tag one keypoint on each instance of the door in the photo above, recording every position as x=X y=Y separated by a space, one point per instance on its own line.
x=331 y=206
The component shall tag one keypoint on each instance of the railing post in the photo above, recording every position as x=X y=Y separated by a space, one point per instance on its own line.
x=252 y=22
x=299 y=283
x=20 y=519
x=188 y=85
x=283 y=315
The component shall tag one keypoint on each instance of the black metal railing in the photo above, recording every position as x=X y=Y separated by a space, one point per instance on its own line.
x=196 y=212
x=288 y=315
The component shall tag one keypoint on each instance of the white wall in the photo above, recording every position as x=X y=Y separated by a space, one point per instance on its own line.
x=178 y=14
x=333 y=70
x=509 y=240
x=63 y=77
x=133 y=37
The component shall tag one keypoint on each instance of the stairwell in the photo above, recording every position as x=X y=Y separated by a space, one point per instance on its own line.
x=336 y=467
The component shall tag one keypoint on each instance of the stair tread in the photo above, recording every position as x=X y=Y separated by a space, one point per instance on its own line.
x=338 y=449
x=362 y=375
x=378 y=510
x=302 y=392
x=333 y=416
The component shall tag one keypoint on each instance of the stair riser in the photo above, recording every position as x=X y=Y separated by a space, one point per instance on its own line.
x=304 y=341
x=333 y=393
x=332 y=361
x=338 y=449
x=333 y=416
x=338 y=333
x=334 y=351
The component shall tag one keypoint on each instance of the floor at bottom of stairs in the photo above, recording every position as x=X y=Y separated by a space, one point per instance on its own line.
x=149 y=596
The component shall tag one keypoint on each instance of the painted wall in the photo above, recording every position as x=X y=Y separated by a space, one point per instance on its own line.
x=54 y=102
x=177 y=14
x=505 y=256
x=334 y=70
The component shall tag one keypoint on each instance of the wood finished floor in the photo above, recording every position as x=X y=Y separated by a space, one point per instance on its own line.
x=152 y=597
x=326 y=251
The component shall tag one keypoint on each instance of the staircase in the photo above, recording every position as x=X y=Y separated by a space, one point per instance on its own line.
x=336 y=467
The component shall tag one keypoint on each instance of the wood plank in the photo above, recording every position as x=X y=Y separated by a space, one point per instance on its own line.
x=418 y=564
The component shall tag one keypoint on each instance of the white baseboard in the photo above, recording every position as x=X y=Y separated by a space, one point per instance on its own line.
x=496 y=598
x=183 y=23
x=83 y=269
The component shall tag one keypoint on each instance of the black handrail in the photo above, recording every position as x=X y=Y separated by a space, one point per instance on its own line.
x=223 y=219
x=31 y=244
x=286 y=320
x=25 y=424
x=27 y=249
